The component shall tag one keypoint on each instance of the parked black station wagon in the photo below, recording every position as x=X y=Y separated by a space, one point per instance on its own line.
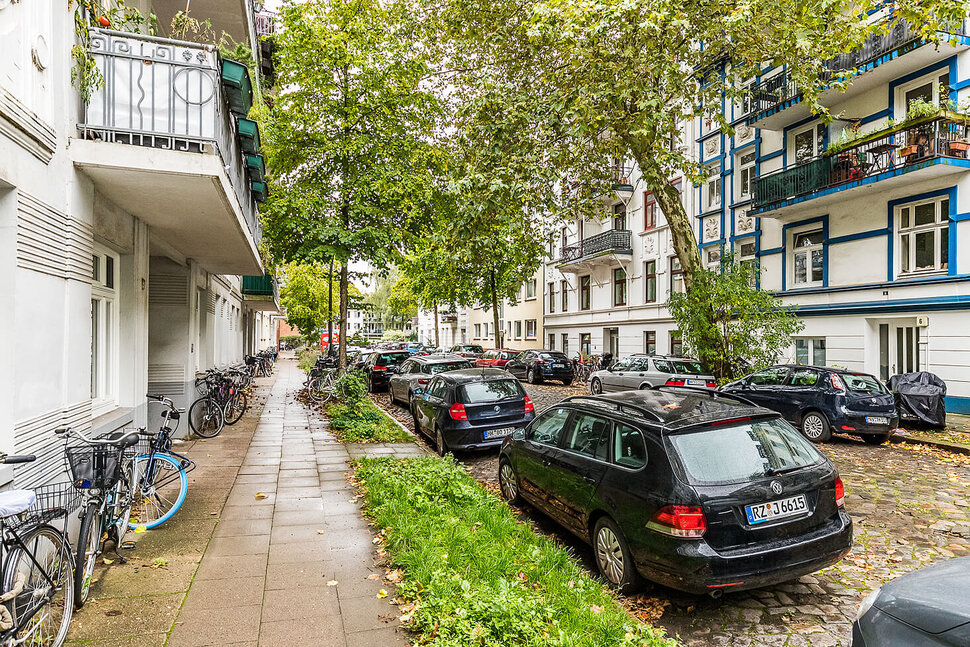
x=822 y=401
x=471 y=408
x=696 y=490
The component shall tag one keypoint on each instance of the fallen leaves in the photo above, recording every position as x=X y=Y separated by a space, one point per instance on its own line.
x=332 y=583
x=260 y=496
x=381 y=594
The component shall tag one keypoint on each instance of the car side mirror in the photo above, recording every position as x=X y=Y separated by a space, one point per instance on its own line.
x=426 y=396
x=518 y=434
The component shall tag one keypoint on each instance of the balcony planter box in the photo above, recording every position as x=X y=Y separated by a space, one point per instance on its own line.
x=959 y=147
x=238 y=87
x=260 y=192
x=906 y=151
x=256 y=168
x=248 y=136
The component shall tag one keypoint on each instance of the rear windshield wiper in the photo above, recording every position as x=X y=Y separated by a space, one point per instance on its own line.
x=775 y=471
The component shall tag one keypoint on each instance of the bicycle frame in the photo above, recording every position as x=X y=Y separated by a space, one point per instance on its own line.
x=12 y=539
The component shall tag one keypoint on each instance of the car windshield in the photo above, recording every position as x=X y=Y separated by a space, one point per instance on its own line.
x=861 y=383
x=472 y=349
x=391 y=359
x=453 y=366
x=686 y=367
x=491 y=391
x=737 y=453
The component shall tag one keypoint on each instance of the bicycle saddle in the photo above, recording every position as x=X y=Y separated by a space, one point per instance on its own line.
x=16 y=501
x=127 y=442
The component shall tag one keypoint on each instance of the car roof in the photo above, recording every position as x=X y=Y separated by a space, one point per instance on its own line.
x=438 y=358
x=466 y=375
x=674 y=408
x=830 y=369
x=676 y=358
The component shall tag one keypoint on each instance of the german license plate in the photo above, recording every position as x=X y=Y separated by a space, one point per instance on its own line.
x=877 y=420
x=497 y=433
x=696 y=382
x=559 y=366
x=772 y=510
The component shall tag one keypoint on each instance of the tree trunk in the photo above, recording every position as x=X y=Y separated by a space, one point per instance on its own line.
x=498 y=332
x=437 y=340
x=344 y=294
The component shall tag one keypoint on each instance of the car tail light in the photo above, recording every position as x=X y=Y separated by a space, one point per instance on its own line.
x=457 y=411
x=837 y=382
x=529 y=407
x=731 y=421
x=711 y=385
x=684 y=521
x=673 y=382
x=847 y=428
x=423 y=380
x=839 y=492
x=380 y=368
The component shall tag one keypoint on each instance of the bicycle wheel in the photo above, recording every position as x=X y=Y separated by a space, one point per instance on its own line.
x=160 y=491
x=206 y=418
x=235 y=407
x=88 y=548
x=121 y=503
x=41 y=613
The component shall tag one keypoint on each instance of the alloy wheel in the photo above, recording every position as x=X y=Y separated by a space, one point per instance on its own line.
x=595 y=387
x=813 y=426
x=609 y=555
x=506 y=475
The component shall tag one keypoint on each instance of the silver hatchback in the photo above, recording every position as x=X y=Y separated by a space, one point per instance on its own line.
x=646 y=371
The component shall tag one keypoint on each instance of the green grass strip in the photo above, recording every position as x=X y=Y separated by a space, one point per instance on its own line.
x=364 y=422
x=479 y=576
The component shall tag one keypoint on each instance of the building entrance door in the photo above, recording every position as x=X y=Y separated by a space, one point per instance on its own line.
x=611 y=341
x=898 y=349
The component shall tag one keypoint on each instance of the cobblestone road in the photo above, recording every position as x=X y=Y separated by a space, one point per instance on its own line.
x=911 y=507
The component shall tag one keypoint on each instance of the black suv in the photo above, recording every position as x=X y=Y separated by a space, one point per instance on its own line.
x=380 y=365
x=695 y=490
x=538 y=365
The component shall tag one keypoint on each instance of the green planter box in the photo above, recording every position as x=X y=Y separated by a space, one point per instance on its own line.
x=257 y=168
x=248 y=136
x=238 y=87
x=260 y=192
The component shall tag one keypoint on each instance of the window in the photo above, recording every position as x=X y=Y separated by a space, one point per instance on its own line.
x=712 y=188
x=588 y=435
x=585 y=345
x=676 y=276
x=530 y=289
x=650 y=281
x=478 y=331
x=490 y=391
x=745 y=173
x=925 y=89
x=807 y=144
x=547 y=428
x=104 y=331
x=775 y=376
x=551 y=288
x=650 y=342
x=712 y=258
x=584 y=292
x=804 y=377
x=924 y=236
x=619 y=287
x=629 y=449
x=565 y=344
x=649 y=211
x=530 y=328
x=808 y=258
x=676 y=343
x=485 y=330
x=810 y=351
x=552 y=341
x=619 y=216
x=564 y=288
x=518 y=330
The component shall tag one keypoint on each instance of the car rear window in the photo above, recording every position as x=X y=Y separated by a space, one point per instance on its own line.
x=556 y=357
x=861 y=383
x=453 y=366
x=737 y=453
x=472 y=349
x=491 y=391
x=506 y=355
x=391 y=359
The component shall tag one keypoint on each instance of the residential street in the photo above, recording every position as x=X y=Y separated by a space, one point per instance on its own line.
x=910 y=506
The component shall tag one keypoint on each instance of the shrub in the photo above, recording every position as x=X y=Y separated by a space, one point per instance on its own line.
x=363 y=422
x=351 y=387
x=308 y=359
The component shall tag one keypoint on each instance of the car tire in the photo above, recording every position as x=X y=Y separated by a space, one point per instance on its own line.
x=567 y=382
x=875 y=439
x=595 y=386
x=815 y=427
x=414 y=419
x=440 y=445
x=613 y=557
x=509 y=482
x=530 y=376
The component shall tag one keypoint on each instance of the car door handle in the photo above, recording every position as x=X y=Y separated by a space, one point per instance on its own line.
x=546 y=462
x=590 y=480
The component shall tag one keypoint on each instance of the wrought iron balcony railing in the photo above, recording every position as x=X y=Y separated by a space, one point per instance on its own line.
x=883 y=151
x=166 y=94
x=265 y=23
x=614 y=240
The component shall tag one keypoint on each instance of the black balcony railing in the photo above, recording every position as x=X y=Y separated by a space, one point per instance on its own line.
x=780 y=88
x=880 y=152
x=614 y=240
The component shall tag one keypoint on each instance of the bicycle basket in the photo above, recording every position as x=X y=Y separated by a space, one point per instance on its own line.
x=94 y=466
x=53 y=500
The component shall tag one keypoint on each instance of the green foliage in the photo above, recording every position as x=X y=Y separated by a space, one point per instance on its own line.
x=308 y=359
x=351 y=388
x=394 y=335
x=391 y=299
x=725 y=321
x=305 y=296
x=364 y=422
x=293 y=340
x=476 y=575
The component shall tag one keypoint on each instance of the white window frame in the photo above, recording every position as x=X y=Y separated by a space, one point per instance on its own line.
x=713 y=187
x=105 y=359
x=812 y=345
x=675 y=284
x=530 y=328
x=478 y=331
x=746 y=259
x=712 y=257
x=807 y=250
x=905 y=243
x=518 y=329
x=530 y=290
x=818 y=133
x=899 y=100
x=745 y=172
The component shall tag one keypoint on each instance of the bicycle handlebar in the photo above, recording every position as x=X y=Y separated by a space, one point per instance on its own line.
x=10 y=459
x=71 y=431
x=165 y=401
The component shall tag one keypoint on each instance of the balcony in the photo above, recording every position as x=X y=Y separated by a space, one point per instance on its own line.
x=261 y=293
x=448 y=317
x=776 y=102
x=600 y=249
x=265 y=23
x=159 y=139
x=927 y=147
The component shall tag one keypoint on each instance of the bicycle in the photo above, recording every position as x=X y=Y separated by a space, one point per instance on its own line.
x=321 y=380
x=584 y=368
x=104 y=477
x=162 y=474
x=207 y=415
x=38 y=568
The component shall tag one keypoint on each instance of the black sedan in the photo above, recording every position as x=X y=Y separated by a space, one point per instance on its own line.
x=380 y=365
x=417 y=372
x=537 y=366
x=695 y=490
x=926 y=608
x=822 y=401
x=471 y=409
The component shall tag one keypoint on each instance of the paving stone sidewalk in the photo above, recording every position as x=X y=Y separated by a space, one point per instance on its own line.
x=291 y=561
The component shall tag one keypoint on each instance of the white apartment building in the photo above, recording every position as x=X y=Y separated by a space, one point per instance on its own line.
x=872 y=241
x=520 y=319
x=125 y=225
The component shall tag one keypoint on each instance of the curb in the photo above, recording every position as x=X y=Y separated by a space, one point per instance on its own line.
x=956 y=449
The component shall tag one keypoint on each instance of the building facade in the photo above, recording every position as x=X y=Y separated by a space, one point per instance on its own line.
x=126 y=224
x=520 y=320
